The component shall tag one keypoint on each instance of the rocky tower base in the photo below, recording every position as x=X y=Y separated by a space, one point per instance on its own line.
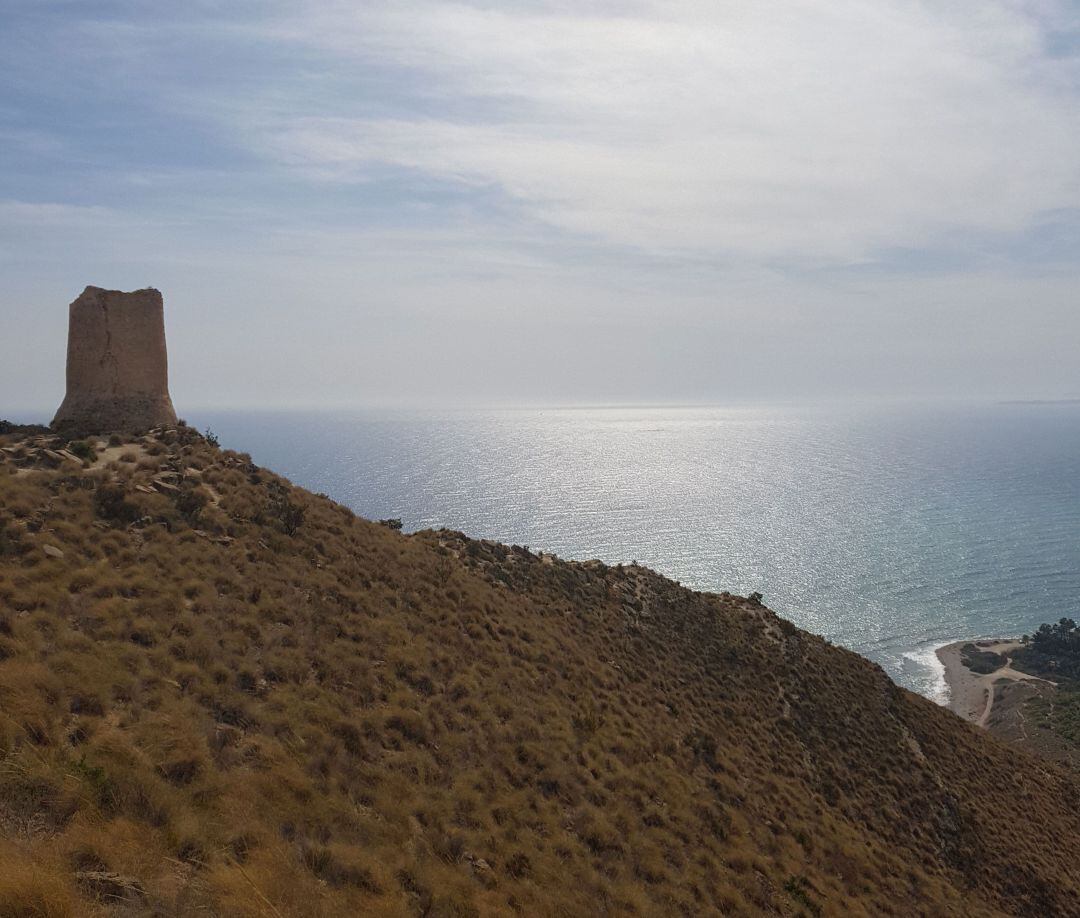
x=117 y=368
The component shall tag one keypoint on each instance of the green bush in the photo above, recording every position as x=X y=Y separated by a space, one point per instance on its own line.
x=83 y=450
x=111 y=503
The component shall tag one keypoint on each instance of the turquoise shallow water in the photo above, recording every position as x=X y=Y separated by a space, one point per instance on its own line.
x=888 y=530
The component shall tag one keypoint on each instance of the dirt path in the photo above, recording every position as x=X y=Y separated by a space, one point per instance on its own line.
x=985 y=716
x=971 y=695
x=107 y=454
x=1006 y=672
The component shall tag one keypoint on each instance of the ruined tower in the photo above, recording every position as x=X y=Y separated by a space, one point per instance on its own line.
x=117 y=370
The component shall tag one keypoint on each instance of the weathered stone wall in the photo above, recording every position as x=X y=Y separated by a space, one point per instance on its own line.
x=117 y=368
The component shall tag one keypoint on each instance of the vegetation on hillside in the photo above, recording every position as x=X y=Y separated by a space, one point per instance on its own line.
x=223 y=695
x=1053 y=650
x=1053 y=653
x=1060 y=714
x=981 y=661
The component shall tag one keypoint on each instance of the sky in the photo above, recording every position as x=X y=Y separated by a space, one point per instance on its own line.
x=634 y=201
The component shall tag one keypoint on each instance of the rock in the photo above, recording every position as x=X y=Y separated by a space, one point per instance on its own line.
x=481 y=870
x=52 y=551
x=107 y=885
x=117 y=369
x=225 y=736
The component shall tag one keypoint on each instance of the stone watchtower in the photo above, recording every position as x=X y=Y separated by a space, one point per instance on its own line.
x=117 y=369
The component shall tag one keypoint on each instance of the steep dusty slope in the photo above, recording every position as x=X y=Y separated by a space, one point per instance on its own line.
x=223 y=695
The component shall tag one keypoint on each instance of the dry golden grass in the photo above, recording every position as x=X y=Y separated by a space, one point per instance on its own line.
x=240 y=699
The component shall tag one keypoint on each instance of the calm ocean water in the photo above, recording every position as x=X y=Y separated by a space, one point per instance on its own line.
x=887 y=530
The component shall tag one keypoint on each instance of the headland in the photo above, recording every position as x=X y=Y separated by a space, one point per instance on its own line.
x=972 y=669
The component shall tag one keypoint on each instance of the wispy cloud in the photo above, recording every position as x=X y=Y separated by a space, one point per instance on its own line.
x=804 y=130
x=610 y=199
x=25 y=214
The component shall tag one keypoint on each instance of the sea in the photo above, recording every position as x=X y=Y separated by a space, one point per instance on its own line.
x=888 y=529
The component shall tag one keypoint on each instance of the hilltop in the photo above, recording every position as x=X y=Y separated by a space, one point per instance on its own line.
x=221 y=694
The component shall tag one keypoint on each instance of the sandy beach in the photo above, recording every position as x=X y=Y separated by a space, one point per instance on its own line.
x=971 y=694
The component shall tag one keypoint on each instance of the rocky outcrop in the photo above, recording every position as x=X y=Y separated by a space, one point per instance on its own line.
x=117 y=369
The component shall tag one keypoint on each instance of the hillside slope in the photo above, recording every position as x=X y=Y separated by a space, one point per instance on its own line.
x=223 y=695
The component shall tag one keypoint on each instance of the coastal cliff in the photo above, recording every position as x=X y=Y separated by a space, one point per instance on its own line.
x=222 y=694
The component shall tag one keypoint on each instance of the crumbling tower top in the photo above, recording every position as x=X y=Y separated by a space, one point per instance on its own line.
x=117 y=368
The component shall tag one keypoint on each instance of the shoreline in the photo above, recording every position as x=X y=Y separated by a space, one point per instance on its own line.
x=971 y=694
